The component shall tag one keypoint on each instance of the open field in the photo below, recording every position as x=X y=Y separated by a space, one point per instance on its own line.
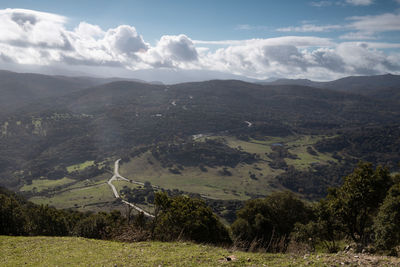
x=80 y=166
x=82 y=195
x=192 y=179
x=42 y=184
x=244 y=182
x=72 y=251
x=237 y=186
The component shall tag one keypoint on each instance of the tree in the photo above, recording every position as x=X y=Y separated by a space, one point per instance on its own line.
x=182 y=217
x=12 y=218
x=387 y=222
x=324 y=229
x=267 y=223
x=356 y=202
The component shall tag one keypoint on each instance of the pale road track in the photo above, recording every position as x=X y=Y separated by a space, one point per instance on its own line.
x=116 y=177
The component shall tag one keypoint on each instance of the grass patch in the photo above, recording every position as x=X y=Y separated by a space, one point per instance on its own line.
x=80 y=166
x=78 y=197
x=211 y=183
x=43 y=184
x=73 y=251
x=246 y=180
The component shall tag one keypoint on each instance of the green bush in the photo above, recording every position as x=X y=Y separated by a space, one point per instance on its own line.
x=186 y=218
x=267 y=223
x=356 y=202
x=387 y=222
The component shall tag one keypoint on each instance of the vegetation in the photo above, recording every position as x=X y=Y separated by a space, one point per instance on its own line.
x=189 y=219
x=222 y=146
x=387 y=226
x=267 y=223
x=365 y=203
x=72 y=251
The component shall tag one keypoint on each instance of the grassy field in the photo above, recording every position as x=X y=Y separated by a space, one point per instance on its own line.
x=42 y=184
x=210 y=183
x=80 y=166
x=246 y=180
x=237 y=186
x=72 y=251
x=82 y=195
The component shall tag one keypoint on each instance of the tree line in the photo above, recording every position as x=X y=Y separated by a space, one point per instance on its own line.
x=364 y=210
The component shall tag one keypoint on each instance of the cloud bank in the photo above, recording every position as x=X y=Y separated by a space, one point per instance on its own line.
x=37 y=38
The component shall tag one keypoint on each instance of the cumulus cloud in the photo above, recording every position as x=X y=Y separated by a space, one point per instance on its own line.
x=125 y=40
x=37 y=38
x=27 y=28
x=179 y=48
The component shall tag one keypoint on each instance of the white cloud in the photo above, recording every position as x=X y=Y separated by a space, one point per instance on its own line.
x=37 y=38
x=358 y=27
x=300 y=41
x=179 y=48
x=358 y=36
x=321 y=3
x=248 y=27
x=124 y=39
x=360 y=2
x=379 y=23
x=310 y=28
x=86 y=30
x=21 y=27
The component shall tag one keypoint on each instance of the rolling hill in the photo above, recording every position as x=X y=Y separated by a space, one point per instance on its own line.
x=294 y=132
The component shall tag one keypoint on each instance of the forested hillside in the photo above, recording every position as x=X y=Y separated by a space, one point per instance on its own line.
x=237 y=140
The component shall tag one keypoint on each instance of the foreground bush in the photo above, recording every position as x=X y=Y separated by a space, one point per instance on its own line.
x=267 y=223
x=185 y=218
x=387 y=222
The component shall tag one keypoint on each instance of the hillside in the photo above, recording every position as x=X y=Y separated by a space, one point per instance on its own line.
x=225 y=139
x=364 y=85
x=71 y=251
x=20 y=89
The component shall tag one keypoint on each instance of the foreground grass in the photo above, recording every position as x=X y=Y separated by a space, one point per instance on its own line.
x=72 y=251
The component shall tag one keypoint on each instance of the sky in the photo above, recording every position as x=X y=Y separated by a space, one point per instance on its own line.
x=253 y=39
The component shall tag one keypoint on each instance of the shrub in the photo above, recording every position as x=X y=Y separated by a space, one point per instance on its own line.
x=185 y=218
x=267 y=223
x=387 y=222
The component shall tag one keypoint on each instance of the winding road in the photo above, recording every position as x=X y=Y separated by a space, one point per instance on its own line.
x=116 y=177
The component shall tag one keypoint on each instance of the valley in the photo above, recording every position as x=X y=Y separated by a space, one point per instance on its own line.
x=223 y=141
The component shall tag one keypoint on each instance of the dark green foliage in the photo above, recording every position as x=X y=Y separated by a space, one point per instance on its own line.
x=314 y=182
x=19 y=217
x=12 y=217
x=356 y=202
x=209 y=153
x=380 y=145
x=187 y=218
x=387 y=222
x=99 y=225
x=267 y=223
x=47 y=221
x=324 y=228
x=139 y=195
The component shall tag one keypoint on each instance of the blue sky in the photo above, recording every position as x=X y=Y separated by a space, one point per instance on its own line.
x=208 y=20
x=258 y=39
